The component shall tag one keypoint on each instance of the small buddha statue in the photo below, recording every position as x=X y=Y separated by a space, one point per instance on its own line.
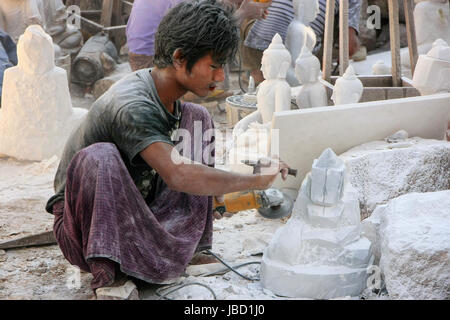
x=274 y=93
x=251 y=135
x=348 y=88
x=312 y=93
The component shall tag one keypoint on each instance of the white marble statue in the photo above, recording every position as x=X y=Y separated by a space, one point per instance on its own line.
x=320 y=253
x=348 y=88
x=312 y=93
x=274 y=93
x=432 y=22
x=17 y=15
x=251 y=134
x=433 y=70
x=299 y=34
x=36 y=115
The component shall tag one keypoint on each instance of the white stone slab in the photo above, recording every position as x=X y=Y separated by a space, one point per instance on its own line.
x=305 y=134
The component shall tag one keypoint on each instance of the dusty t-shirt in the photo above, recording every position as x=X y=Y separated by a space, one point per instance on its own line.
x=130 y=115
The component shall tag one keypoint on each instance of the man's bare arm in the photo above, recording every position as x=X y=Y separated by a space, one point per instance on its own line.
x=249 y=9
x=194 y=178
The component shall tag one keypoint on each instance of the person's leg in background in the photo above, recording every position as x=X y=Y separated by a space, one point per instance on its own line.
x=250 y=57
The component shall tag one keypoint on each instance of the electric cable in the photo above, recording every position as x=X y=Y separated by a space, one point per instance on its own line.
x=228 y=267
x=221 y=271
x=164 y=296
x=233 y=269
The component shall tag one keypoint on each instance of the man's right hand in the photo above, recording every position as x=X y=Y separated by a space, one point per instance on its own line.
x=269 y=171
x=250 y=9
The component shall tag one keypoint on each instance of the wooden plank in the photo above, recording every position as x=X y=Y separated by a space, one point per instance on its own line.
x=128 y=3
x=43 y=238
x=406 y=82
x=395 y=93
x=117 y=18
x=127 y=6
x=90 y=22
x=343 y=36
x=376 y=81
x=371 y=81
x=117 y=32
x=328 y=41
x=411 y=33
x=395 y=42
x=373 y=94
x=107 y=11
x=115 y=28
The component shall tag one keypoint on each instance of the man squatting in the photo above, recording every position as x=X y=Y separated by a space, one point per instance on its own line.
x=124 y=207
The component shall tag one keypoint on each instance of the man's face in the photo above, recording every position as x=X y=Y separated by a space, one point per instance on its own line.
x=204 y=76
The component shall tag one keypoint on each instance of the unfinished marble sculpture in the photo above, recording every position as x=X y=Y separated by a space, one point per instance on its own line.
x=299 y=34
x=432 y=21
x=348 y=88
x=312 y=93
x=274 y=93
x=36 y=115
x=319 y=253
x=17 y=15
x=432 y=73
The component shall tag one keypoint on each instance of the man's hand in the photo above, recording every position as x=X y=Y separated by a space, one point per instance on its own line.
x=250 y=9
x=217 y=214
x=353 y=42
x=269 y=169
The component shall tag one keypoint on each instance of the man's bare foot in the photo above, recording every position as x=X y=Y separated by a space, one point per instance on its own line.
x=119 y=290
x=202 y=258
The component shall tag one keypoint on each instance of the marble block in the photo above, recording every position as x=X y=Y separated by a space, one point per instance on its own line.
x=304 y=134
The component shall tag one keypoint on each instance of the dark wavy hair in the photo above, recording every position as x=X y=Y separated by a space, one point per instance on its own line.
x=197 y=27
